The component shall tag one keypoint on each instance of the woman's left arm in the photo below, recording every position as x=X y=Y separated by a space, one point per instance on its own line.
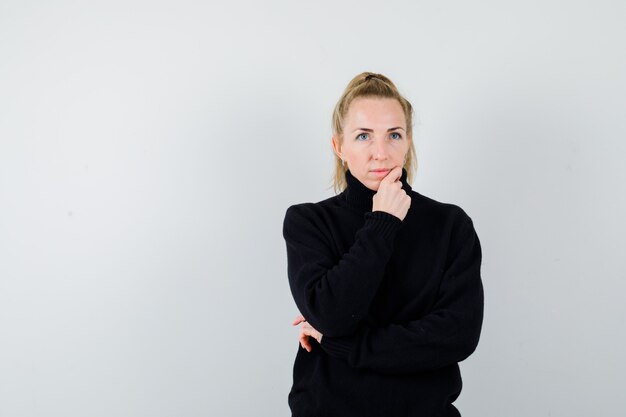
x=447 y=335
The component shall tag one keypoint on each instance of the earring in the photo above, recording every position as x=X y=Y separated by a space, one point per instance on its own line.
x=343 y=162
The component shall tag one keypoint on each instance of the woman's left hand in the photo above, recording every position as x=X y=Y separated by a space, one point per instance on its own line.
x=305 y=331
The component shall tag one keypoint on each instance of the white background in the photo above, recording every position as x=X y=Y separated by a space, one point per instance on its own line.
x=149 y=150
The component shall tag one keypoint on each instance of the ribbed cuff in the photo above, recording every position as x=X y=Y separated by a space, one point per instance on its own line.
x=339 y=347
x=383 y=223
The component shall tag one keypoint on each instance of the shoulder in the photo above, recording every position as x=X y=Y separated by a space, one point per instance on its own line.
x=313 y=209
x=429 y=206
x=449 y=221
x=308 y=215
x=448 y=217
x=309 y=210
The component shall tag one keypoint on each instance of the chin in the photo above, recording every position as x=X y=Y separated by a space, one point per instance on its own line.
x=373 y=185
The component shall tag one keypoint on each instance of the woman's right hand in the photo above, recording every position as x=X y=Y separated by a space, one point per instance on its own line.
x=390 y=197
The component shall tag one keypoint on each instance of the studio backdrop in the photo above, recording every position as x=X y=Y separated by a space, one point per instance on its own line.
x=149 y=150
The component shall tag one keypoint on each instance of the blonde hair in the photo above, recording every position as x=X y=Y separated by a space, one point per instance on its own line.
x=369 y=84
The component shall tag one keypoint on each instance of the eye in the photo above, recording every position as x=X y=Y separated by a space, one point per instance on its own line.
x=397 y=135
x=361 y=135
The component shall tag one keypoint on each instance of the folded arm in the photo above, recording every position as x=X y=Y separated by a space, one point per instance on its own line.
x=335 y=294
x=447 y=335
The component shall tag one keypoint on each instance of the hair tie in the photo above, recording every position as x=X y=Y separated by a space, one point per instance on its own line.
x=370 y=76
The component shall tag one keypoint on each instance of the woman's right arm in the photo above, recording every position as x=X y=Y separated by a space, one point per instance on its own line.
x=335 y=294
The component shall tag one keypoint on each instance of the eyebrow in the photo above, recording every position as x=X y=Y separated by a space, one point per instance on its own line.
x=371 y=130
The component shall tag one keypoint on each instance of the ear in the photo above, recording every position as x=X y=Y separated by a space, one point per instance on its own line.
x=336 y=146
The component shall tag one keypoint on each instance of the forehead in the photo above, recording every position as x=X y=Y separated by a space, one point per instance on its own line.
x=370 y=112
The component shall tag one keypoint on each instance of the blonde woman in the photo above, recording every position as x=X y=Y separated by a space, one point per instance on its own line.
x=387 y=280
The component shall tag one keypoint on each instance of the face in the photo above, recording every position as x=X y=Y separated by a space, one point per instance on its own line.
x=374 y=139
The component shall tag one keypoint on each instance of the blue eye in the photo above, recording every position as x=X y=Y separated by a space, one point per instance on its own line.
x=398 y=136
x=362 y=134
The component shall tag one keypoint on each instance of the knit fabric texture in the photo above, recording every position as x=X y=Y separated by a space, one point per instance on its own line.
x=399 y=304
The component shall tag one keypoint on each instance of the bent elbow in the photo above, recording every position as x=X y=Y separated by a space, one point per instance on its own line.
x=468 y=346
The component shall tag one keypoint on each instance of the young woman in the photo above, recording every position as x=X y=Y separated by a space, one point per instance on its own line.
x=387 y=280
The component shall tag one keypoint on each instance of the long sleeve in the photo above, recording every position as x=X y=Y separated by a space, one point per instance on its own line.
x=448 y=334
x=335 y=294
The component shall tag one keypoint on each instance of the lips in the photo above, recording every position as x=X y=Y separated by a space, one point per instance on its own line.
x=379 y=174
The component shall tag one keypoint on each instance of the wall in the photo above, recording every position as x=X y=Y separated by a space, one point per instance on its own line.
x=149 y=150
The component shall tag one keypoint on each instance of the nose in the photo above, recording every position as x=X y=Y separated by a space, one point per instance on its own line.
x=380 y=149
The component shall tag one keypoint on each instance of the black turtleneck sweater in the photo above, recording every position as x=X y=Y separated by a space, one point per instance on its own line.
x=399 y=304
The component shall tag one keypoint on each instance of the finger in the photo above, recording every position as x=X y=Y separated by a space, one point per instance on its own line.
x=311 y=332
x=304 y=342
x=307 y=341
x=298 y=320
x=393 y=175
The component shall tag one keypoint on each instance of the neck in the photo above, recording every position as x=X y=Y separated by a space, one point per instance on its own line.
x=358 y=196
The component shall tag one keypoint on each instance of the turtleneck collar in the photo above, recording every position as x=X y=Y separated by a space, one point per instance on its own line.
x=357 y=195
